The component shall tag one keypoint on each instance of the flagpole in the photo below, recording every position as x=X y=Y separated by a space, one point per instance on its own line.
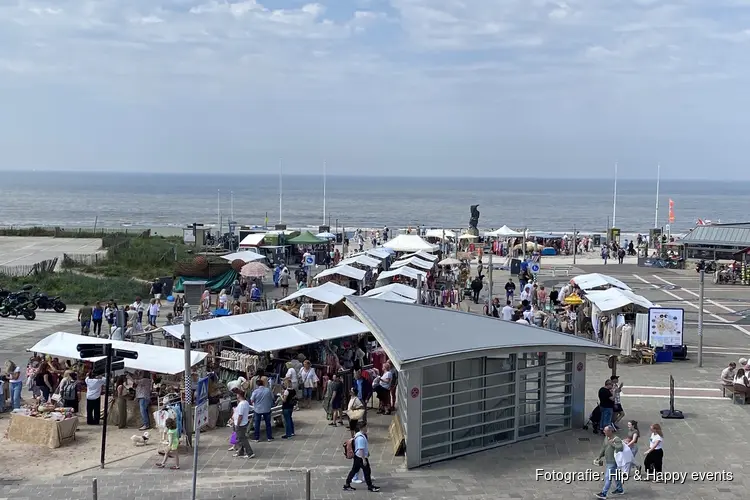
x=281 y=189
x=656 y=212
x=231 y=205
x=218 y=209
x=614 y=204
x=324 y=193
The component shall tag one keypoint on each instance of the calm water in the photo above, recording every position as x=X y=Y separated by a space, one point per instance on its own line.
x=70 y=199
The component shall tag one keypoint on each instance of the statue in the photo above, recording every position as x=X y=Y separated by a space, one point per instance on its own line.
x=474 y=220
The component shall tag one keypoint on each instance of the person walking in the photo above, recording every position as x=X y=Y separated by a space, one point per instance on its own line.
x=361 y=460
x=288 y=400
x=97 y=315
x=606 y=404
x=632 y=440
x=612 y=444
x=262 y=401
x=241 y=419
x=13 y=372
x=653 y=458
x=84 y=318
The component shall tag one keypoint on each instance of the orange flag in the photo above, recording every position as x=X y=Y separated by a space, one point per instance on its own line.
x=671 y=212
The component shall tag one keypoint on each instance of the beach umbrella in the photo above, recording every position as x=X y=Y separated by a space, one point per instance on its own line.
x=573 y=300
x=468 y=236
x=326 y=236
x=254 y=270
x=450 y=261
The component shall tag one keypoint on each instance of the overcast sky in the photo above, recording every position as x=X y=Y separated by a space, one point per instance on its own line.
x=417 y=87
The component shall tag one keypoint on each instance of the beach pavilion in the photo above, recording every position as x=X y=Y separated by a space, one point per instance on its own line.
x=469 y=383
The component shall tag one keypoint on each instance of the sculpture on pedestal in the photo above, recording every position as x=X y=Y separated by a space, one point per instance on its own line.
x=474 y=220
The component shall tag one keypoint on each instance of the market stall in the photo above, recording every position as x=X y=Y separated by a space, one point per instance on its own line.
x=245 y=256
x=324 y=299
x=380 y=253
x=217 y=328
x=404 y=274
x=422 y=255
x=613 y=315
x=361 y=260
x=596 y=281
x=440 y=234
x=345 y=275
x=409 y=243
x=43 y=426
x=392 y=297
x=398 y=288
x=414 y=262
x=252 y=240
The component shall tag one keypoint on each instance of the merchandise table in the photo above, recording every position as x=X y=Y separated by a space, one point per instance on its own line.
x=42 y=431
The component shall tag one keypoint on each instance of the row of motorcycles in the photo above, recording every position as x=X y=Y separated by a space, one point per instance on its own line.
x=723 y=273
x=24 y=303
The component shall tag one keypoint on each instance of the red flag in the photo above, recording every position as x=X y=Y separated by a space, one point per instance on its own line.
x=671 y=212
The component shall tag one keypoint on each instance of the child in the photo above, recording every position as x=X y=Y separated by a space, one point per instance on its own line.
x=153 y=312
x=233 y=442
x=174 y=442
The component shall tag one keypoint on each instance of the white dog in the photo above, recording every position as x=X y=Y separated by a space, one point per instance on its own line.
x=141 y=440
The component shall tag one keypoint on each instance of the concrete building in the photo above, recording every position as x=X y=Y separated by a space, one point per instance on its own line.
x=469 y=383
x=717 y=241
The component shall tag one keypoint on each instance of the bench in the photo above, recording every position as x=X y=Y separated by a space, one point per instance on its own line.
x=741 y=394
x=727 y=391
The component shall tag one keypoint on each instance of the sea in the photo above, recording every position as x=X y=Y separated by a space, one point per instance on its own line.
x=173 y=200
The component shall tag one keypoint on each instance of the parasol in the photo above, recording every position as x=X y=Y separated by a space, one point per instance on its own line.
x=450 y=261
x=467 y=236
x=326 y=236
x=254 y=270
x=573 y=300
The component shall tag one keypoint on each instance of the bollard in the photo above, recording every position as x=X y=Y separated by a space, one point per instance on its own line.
x=94 y=489
x=308 y=493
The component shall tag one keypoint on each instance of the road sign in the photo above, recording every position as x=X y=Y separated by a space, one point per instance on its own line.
x=535 y=268
x=201 y=391
x=201 y=415
x=309 y=260
x=414 y=392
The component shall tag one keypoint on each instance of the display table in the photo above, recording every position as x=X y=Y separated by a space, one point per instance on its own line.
x=42 y=431
x=134 y=413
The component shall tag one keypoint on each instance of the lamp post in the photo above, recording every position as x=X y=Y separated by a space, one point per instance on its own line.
x=187 y=411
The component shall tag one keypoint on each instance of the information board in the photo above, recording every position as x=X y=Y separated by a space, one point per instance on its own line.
x=665 y=326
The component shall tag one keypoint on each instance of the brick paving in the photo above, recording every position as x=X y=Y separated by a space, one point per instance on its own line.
x=708 y=440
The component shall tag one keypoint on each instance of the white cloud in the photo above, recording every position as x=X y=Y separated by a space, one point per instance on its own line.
x=371 y=73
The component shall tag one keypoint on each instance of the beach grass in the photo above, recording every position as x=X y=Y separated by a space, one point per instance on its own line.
x=74 y=288
x=140 y=257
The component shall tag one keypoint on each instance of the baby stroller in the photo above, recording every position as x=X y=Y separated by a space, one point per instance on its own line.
x=594 y=419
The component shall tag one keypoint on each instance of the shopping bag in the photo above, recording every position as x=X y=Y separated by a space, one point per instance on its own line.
x=233 y=438
x=624 y=459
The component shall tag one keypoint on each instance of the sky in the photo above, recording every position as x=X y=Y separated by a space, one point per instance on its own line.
x=393 y=87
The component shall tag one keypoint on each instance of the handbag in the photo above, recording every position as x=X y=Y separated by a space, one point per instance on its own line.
x=233 y=438
x=356 y=413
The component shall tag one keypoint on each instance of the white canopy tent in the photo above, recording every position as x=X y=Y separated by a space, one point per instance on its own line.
x=450 y=261
x=405 y=271
x=439 y=233
x=326 y=236
x=252 y=240
x=380 y=253
x=614 y=299
x=505 y=232
x=398 y=288
x=595 y=280
x=330 y=293
x=216 y=328
x=423 y=255
x=303 y=334
x=348 y=271
x=409 y=243
x=245 y=256
x=393 y=297
x=153 y=358
x=362 y=260
x=467 y=236
x=414 y=262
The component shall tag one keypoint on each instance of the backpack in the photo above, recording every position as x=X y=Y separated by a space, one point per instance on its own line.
x=348 y=447
x=70 y=392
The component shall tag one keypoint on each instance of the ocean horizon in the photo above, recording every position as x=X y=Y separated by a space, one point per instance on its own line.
x=137 y=199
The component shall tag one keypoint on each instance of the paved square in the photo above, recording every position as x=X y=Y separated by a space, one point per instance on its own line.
x=28 y=250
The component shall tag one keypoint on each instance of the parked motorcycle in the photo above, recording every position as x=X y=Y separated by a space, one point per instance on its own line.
x=15 y=304
x=707 y=267
x=43 y=301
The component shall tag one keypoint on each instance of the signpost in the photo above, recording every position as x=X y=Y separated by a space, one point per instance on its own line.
x=535 y=268
x=113 y=360
x=309 y=264
x=201 y=419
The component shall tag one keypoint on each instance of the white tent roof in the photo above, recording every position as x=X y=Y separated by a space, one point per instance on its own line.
x=406 y=271
x=252 y=239
x=247 y=256
x=330 y=293
x=450 y=261
x=614 y=299
x=393 y=297
x=303 y=334
x=438 y=233
x=398 y=288
x=596 y=280
x=409 y=243
x=348 y=271
x=413 y=261
x=153 y=358
x=504 y=231
x=380 y=253
x=216 y=328
x=363 y=260
x=423 y=255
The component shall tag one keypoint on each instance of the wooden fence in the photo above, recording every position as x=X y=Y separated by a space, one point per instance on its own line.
x=72 y=260
x=40 y=268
